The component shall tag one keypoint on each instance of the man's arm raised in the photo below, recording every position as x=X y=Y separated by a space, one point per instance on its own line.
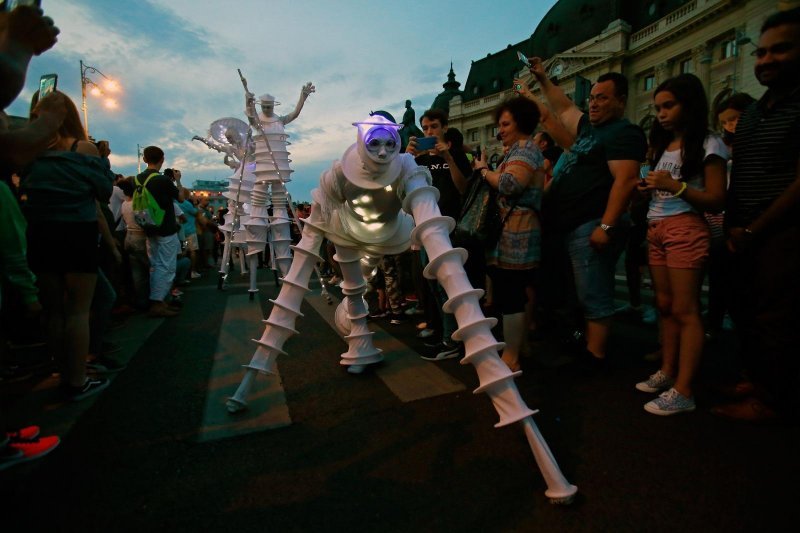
x=568 y=113
x=548 y=120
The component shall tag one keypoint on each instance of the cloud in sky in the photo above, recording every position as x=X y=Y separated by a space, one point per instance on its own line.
x=176 y=61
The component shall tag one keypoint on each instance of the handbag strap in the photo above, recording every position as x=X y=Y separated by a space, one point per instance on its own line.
x=472 y=194
x=513 y=205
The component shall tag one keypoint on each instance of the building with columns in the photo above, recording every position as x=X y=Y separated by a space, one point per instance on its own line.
x=647 y=40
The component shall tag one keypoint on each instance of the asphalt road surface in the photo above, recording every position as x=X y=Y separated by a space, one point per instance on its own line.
x=406 y=446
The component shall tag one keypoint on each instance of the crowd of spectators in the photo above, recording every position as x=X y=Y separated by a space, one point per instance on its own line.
x=703 y=193
x=72 y=256
x=574 y=189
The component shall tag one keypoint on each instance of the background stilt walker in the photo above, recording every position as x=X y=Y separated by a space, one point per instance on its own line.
x=272 y=172
x=232 y=137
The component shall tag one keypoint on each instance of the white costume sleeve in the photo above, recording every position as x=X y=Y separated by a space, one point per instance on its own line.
x=414 y=176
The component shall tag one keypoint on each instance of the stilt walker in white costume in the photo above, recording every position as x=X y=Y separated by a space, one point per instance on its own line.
x=232 y=137
x=367 y=205
x=272 y=173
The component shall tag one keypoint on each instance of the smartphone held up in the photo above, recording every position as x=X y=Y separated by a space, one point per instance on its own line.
x=426 y=143
x=47 y=85
x=10 y=5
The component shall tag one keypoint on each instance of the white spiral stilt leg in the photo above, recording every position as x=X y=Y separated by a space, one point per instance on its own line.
x=361 y=351
x=496 y=380
x=280 y=324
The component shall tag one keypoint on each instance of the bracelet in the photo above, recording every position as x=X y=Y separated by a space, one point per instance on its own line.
x=483 y=174
x=682 y=190
x=749 y=231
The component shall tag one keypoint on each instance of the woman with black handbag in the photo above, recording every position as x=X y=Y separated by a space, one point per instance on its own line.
x=518 y=180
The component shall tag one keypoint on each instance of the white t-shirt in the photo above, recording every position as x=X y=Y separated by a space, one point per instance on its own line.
x=114 y=204
x=126 y=210
x=664 y=204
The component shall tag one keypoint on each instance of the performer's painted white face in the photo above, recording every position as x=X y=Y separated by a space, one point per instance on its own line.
x=267 y=108
x=381 y=144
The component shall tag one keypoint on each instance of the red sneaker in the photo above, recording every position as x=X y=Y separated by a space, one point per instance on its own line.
x=28 y=433
x=28 y=450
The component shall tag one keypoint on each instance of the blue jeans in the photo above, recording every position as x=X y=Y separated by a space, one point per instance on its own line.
x=594 y=270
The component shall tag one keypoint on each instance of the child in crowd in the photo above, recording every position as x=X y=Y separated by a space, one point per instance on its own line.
x=688 y=178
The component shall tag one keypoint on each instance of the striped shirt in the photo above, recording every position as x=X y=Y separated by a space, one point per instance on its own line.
x=765 y=154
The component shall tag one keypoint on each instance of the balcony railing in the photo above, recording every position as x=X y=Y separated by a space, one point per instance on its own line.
x=673 y=20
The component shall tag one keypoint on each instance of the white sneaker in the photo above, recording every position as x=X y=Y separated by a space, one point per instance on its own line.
x=425 y=333
x=670 y=402
x=656 y=383
x=196 y=275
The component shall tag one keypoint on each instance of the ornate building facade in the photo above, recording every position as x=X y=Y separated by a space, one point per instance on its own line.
x=648 y=41
x=211 y=189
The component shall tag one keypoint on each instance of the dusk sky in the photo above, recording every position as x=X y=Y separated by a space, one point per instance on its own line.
x=176 y=62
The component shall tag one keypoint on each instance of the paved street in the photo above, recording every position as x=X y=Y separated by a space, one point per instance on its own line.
x=406 y=446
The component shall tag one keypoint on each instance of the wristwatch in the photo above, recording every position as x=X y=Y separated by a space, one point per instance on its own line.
x=605 y=227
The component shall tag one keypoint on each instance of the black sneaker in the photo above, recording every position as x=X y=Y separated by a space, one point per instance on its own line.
x=90 y=387
x=105 y=365
x=398 y=318
x=433 y=343
x=444 y=351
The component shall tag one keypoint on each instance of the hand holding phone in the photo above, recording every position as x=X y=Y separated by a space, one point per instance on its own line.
x=426 y=143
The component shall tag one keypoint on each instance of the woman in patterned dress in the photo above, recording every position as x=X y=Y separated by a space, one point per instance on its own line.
x=519 y=180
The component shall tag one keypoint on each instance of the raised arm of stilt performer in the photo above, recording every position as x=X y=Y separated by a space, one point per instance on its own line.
x=210 y=143
x=307 y=89
x=249 y=102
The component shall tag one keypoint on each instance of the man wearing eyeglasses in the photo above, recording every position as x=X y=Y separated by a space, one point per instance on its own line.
x=764 y=227
x=587 y=202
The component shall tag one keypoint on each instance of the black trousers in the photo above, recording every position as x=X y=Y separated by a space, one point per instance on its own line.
x=766 y=310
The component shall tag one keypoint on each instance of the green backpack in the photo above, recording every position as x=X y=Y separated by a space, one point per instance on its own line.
x=146 y=211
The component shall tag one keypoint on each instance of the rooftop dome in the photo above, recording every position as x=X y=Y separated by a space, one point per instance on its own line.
x=451 y=86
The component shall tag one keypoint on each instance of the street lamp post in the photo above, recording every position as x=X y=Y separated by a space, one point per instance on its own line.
x=110 y=85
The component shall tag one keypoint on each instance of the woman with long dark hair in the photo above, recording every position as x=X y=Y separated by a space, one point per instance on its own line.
x=687 y=179
x=62 y=186
x=519 y=180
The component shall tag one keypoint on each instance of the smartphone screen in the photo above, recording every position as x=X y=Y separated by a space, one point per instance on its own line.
x=11 y=4
x=523 y=58
x=426 y=143
x=47 y=84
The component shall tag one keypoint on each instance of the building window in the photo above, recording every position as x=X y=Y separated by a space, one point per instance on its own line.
x=473 y=136
x=686 y=66
x=475 y=90
x=495 y=84
x=495 y=131
x=728 y=49
x=649 y=82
